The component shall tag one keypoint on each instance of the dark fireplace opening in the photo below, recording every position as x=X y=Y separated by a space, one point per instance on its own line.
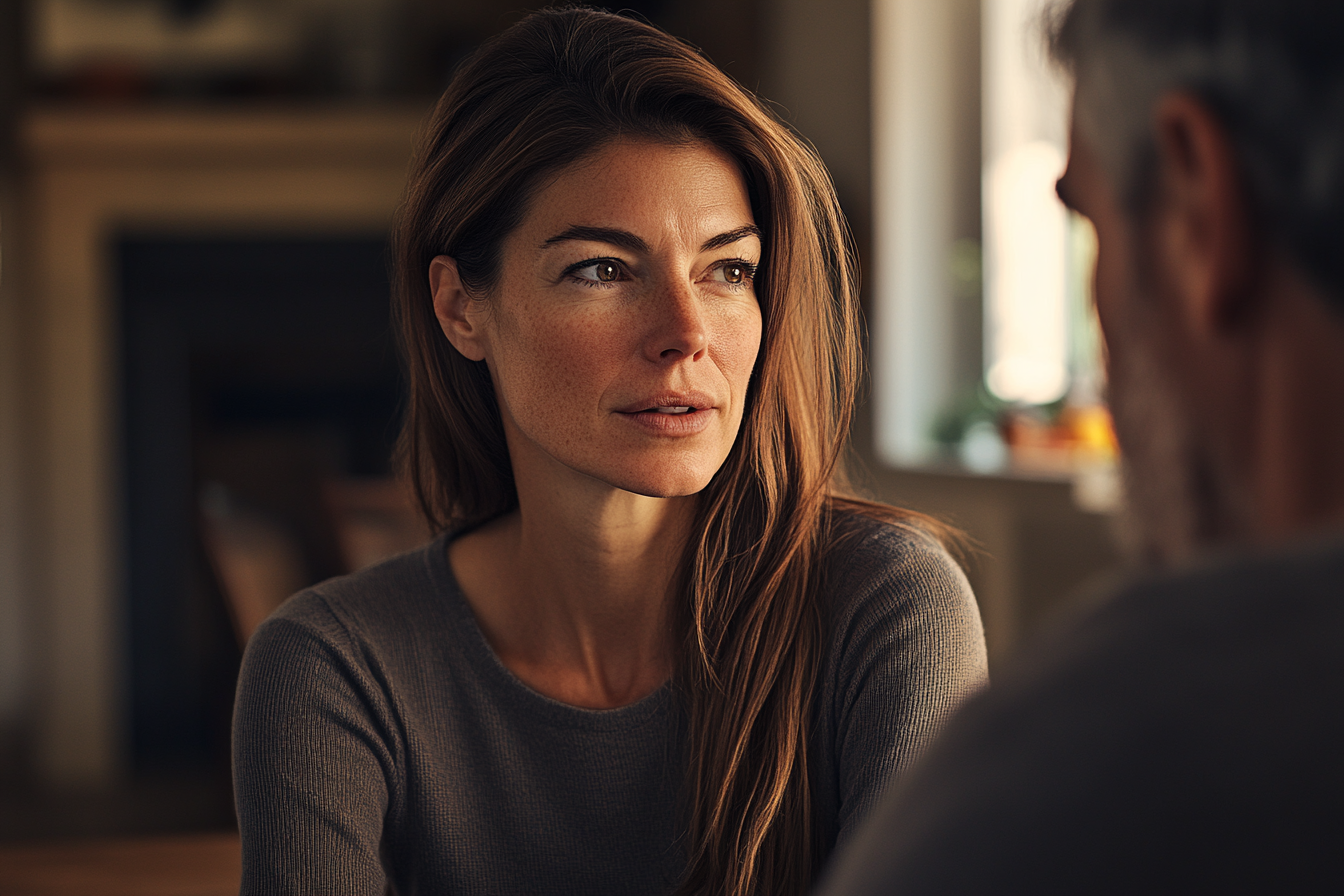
x=261 y=399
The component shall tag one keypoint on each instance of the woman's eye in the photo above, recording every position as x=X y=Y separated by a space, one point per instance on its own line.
x=735 y=273
x=598 y=272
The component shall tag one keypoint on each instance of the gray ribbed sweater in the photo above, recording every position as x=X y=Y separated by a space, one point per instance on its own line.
x=376 y=735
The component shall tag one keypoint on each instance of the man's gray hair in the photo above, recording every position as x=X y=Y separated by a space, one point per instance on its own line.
x=1272 y=71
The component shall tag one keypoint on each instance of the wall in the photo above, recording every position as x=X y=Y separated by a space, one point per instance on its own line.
x=815 y=67
x=926 y=332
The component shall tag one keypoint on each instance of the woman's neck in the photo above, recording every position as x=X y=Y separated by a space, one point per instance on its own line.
x=573 y=590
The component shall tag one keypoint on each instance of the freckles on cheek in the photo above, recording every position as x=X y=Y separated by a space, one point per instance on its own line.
x=516 y=357
x=738 y=363
x=739 y=351
x=552 y=360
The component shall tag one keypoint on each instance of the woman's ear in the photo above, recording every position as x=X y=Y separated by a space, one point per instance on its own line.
x=452 y=306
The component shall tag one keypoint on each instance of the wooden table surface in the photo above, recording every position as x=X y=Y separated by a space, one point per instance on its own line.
x=186 y=865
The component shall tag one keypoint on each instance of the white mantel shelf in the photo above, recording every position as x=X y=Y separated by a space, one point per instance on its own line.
x=191 y=135
x=89 y=175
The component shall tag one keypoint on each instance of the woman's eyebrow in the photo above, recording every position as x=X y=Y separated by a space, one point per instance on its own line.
x=732 y=236
x=627 y=240
x=622 y=238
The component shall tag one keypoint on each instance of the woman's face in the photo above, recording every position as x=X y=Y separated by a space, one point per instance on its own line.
x=624 y=326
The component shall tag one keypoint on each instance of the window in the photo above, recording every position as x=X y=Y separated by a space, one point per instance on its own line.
x=986 y=351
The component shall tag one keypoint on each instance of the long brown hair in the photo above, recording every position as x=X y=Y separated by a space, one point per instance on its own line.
x=545 y=94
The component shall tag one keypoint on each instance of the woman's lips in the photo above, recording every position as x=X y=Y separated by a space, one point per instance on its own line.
x=670 y=420
x=668 y=403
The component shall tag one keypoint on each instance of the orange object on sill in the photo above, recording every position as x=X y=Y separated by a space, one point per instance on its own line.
x=1078 y=436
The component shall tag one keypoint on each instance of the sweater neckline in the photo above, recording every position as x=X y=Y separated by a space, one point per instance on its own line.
x=510 y=686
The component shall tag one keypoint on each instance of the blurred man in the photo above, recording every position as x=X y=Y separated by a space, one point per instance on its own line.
x=1186 y=732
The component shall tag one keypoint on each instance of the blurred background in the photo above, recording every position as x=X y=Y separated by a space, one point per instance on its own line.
x=198 y=389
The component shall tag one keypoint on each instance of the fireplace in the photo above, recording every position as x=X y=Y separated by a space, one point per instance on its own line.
x=135 y=221
x=257 y=373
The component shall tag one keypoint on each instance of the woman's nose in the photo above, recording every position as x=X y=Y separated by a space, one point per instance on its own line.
x=678 y=328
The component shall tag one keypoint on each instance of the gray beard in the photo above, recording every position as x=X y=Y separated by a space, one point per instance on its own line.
x=1176 y=504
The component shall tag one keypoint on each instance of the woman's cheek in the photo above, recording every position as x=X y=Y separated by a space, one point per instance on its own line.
x=739 y=343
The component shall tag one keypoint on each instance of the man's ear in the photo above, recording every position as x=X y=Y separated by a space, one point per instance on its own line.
x=1202 y=216
x=452 y=306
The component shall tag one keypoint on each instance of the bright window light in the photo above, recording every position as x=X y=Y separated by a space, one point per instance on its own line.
x=1026 y=228
x=1027 y=283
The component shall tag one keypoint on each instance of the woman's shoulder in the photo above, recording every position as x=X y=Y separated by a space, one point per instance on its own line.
x=383 y=601
x=359 y=643
x=873 y=543
x=886 y=570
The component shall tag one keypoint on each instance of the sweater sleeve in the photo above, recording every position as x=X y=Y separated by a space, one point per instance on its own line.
x=907 y=650
x=311 y=762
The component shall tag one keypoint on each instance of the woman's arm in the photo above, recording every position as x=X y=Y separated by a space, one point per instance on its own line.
x=312 y=765
x=908 y=647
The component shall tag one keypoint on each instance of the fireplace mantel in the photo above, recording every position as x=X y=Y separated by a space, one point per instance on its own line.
x=196 y=137
x=88 y=176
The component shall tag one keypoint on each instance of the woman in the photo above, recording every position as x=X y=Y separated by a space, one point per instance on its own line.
x=653 y=650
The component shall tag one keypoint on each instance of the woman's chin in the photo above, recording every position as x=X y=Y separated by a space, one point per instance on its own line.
x=659 y=482
x=662 y=488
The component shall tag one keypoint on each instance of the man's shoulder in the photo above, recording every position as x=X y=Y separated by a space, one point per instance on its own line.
x=1183 y=661
x=1181 y=728
x=1204 y=626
